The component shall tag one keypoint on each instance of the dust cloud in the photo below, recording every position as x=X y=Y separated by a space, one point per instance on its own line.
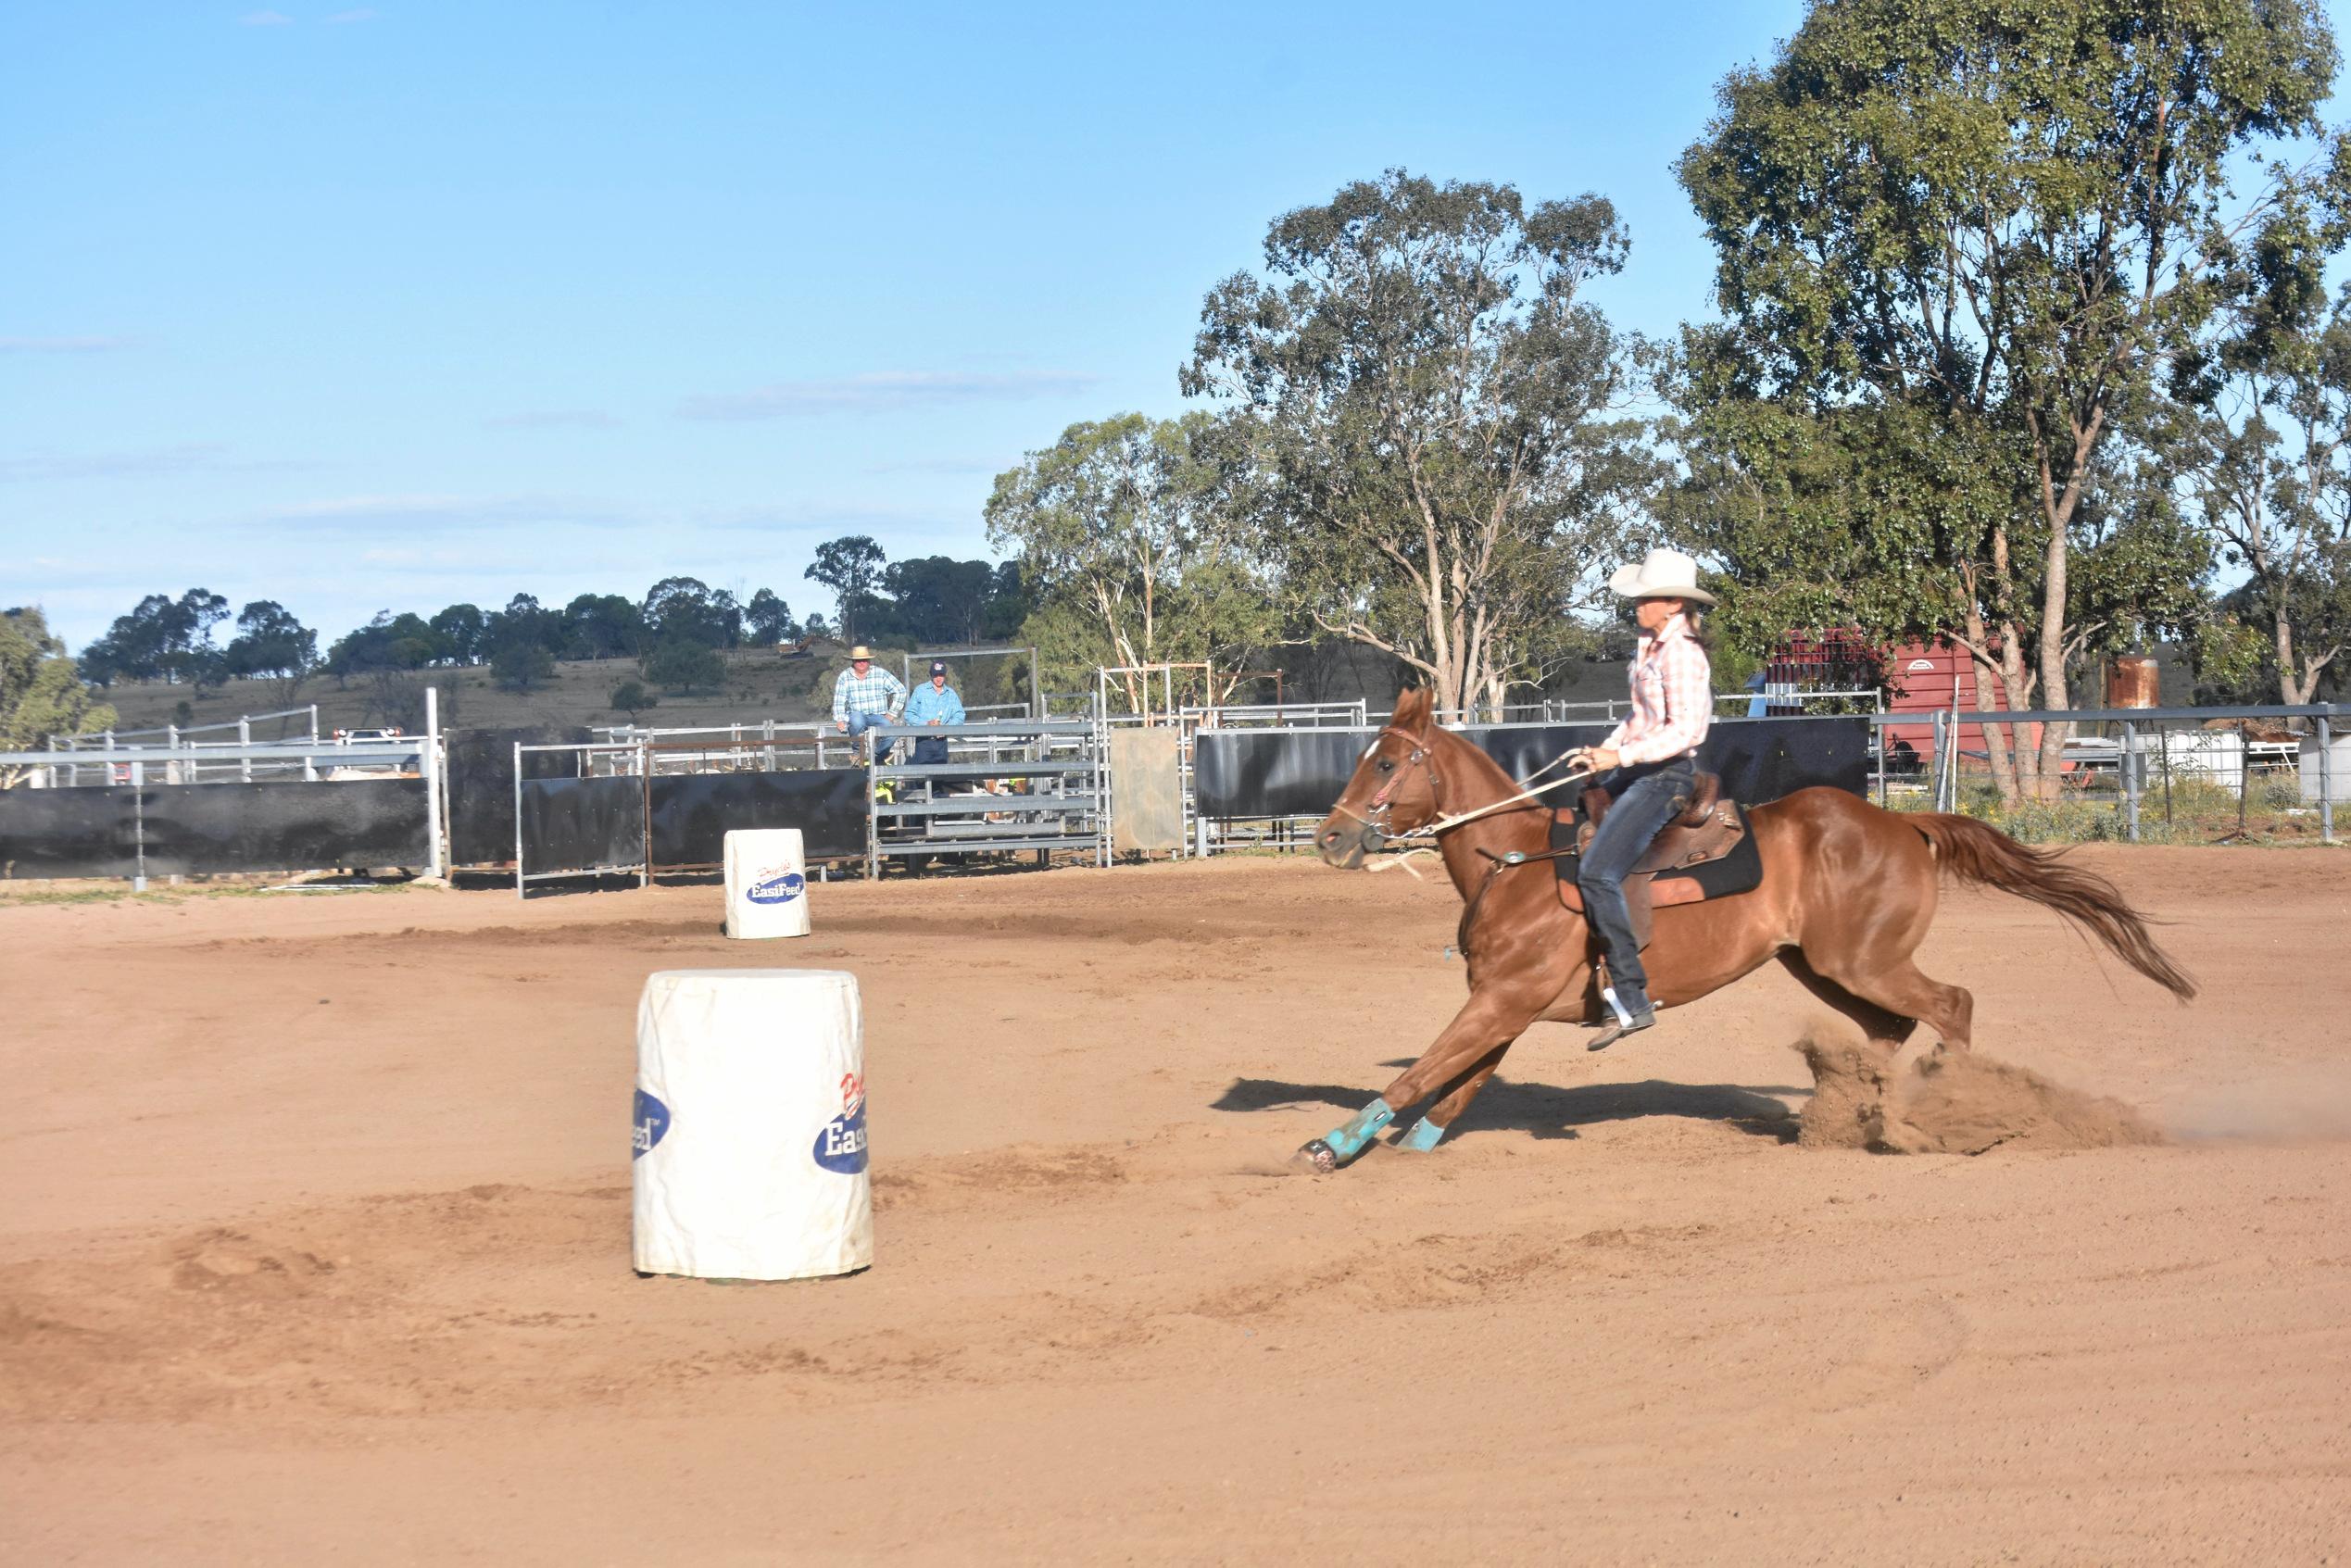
x=1952 y=1102
x=2312 y=1105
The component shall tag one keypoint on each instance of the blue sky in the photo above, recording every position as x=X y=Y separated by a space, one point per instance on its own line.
x=391 y=307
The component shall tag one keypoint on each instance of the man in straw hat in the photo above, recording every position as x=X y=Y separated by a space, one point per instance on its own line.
x=1651 y=761
x=864 y=696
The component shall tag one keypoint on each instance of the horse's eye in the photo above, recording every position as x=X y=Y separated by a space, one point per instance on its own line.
x=1387 y=764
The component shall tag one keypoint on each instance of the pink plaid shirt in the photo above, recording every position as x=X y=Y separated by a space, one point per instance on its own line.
x=1673 y=699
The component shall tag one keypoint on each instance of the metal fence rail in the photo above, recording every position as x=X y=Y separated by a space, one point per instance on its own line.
x=1209 y=836
x=189 y=755
x=2170 y=759
x=117 y=761
x=111 y=739
x=1027 y=785
x=602 y=864
x=764 y=744
x=609 y=807
x=1727 y=704
x=1291 y=776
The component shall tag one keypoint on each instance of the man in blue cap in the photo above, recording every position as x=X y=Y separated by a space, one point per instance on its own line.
x=934 y=702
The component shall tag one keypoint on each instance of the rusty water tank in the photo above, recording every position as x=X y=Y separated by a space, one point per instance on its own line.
x=2133 y=681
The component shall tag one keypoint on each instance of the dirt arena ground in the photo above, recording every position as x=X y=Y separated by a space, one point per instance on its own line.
x=316 y=1247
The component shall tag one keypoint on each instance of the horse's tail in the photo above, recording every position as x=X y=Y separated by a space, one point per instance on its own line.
x=1976 y=852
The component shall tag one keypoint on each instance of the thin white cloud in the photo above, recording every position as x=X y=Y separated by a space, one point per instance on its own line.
x=363 y=507
x=108 y=580
x=111 y=465
x=553 y=419
x=443 y=513
x=64 y=344
x=190 y=456
x=957 y=465
x=824 y=517
x=880 y=391
x=264 y=18
x=342 y=19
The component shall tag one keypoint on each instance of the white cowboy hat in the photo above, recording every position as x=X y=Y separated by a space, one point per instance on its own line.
x=862 y=651
x=1662 y=574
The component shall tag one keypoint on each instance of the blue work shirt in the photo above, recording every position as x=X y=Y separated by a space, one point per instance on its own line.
x=927 y=703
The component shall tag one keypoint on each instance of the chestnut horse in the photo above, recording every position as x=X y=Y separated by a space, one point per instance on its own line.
x=1847 y=894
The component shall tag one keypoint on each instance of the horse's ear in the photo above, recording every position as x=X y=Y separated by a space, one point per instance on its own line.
x=1412 y=706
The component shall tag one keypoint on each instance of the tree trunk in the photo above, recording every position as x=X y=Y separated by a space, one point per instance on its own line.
x=2291 y=691
x=1996 y=737
x=1496 y=689
x=2015 y=694
x=2012 y=759
x=2057 y=509
x=1456 y=683
x=2059 y=514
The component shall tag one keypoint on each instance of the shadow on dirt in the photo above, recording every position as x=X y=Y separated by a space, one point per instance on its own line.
x=1545 y=1111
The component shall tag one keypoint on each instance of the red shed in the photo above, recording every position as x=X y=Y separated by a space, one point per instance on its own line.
x=1923 y=677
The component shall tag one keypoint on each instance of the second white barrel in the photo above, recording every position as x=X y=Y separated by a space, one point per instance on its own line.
x=766 y=883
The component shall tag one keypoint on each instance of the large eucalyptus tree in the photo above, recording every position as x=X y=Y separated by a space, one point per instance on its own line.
x=1122 y=528
x=1433 y=411
x=1991 y=223
x=2264 y=431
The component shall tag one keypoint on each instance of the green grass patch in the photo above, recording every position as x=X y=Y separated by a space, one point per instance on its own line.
x=2200 y=811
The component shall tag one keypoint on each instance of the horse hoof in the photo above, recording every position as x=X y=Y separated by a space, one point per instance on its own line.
x=1316 y=1158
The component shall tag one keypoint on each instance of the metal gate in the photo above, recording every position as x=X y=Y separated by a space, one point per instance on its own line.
x=1006 y=785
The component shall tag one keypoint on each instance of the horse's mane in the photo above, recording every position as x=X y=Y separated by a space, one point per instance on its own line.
x=1466 y=758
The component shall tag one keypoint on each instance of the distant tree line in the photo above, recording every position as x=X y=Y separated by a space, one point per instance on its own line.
x=677 y=634
x=168 y=639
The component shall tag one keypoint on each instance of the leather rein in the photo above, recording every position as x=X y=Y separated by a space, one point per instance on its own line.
x=1421 y=749
x=1382 y=803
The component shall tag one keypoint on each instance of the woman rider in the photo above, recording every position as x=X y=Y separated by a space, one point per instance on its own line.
x=1653 y=755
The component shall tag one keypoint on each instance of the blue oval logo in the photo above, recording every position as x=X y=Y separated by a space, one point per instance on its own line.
x=841 y=1146
x=649 y=1121
x=776 y=888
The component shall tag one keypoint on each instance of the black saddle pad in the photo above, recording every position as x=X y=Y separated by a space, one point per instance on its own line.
x=1738 y=871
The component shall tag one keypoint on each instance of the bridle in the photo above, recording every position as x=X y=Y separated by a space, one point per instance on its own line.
x=1376 y=819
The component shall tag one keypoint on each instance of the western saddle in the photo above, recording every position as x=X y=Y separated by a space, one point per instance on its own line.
x=1708 y=828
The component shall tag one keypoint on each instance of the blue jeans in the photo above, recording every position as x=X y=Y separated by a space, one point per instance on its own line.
x=1646 y=798
x=930 y=748
x=861 y=722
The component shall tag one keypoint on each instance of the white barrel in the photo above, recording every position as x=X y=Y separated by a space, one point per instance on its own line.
x=749 y=1130
x=766 y=883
